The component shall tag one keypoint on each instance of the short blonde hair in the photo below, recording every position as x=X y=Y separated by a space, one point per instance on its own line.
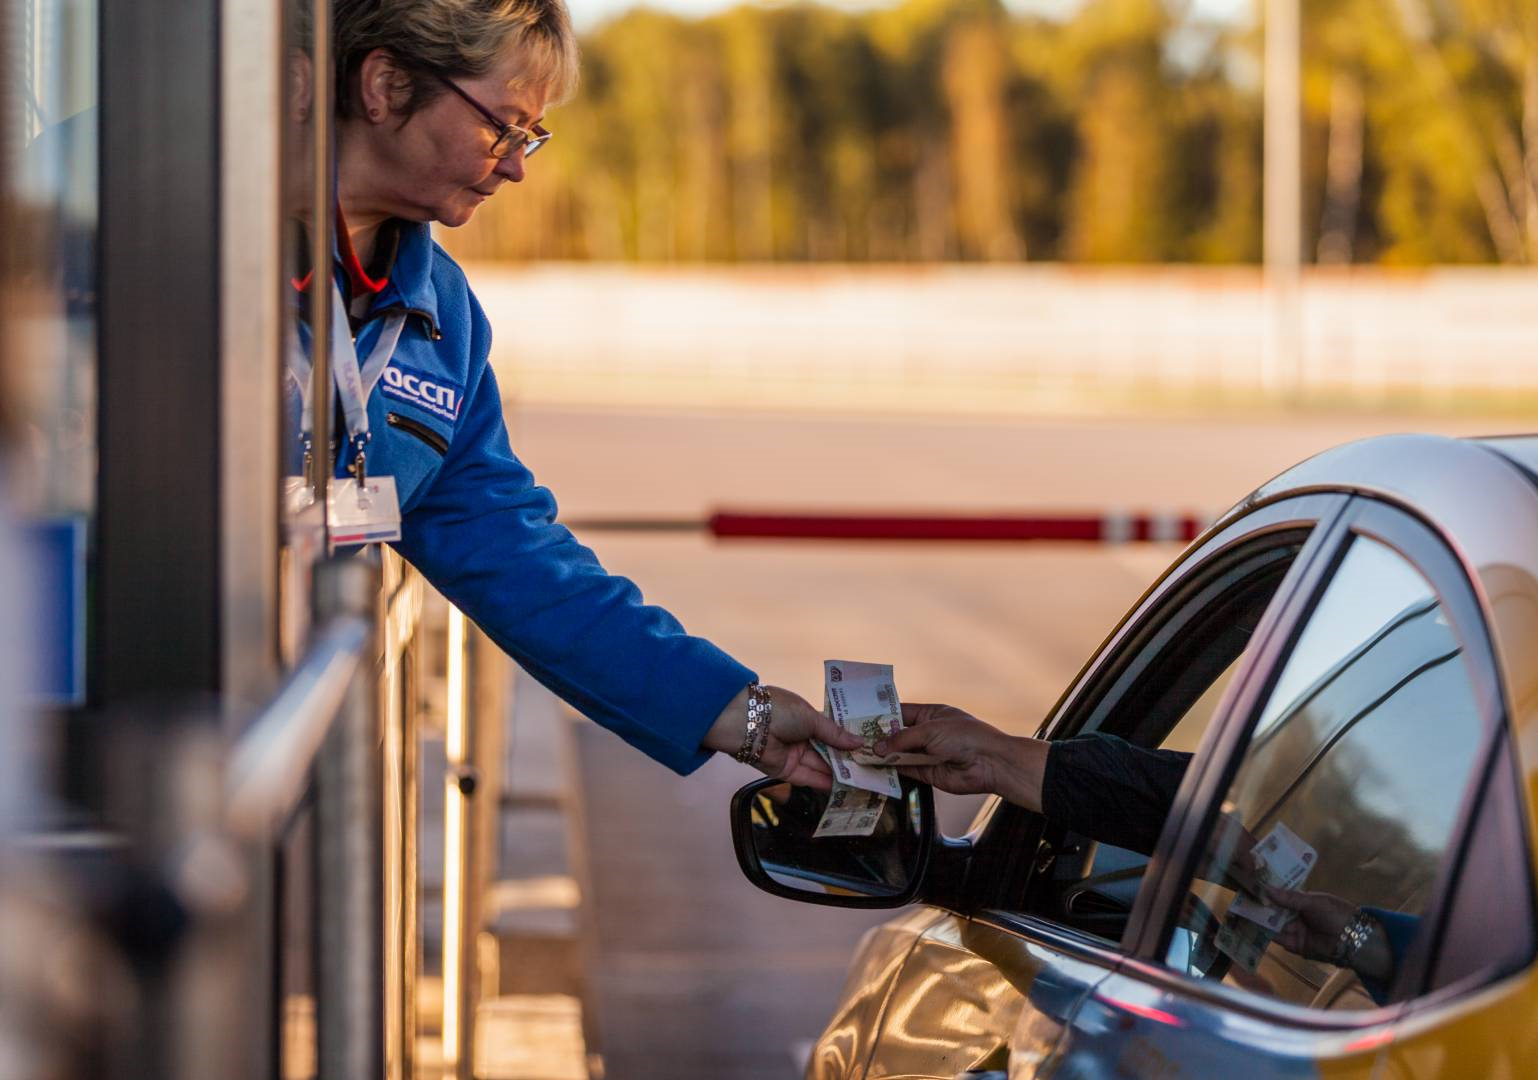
x=430 y=38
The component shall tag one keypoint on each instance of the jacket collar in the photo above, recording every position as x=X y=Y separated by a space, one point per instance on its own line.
x=411 y=278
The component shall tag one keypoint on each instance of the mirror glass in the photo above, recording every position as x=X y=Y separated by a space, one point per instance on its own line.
x=869 y=845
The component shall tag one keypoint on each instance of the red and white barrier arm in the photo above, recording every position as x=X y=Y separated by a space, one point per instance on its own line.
x=1106 y=528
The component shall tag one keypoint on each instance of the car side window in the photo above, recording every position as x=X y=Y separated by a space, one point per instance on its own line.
x=1161 y=692
x=1317 y=877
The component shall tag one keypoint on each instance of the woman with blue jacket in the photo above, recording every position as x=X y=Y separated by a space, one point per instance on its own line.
x=439 y=105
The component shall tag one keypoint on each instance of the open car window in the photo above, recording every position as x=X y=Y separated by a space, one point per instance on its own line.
x=1317 y=879
x=1161 y=690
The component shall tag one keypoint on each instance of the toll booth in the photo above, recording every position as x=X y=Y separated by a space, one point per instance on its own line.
x=255 y=784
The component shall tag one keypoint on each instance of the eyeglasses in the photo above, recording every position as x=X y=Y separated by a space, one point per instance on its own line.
x=509 y=136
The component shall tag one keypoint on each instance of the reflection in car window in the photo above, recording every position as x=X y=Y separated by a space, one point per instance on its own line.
x=1344 y=619
x=1350 y=789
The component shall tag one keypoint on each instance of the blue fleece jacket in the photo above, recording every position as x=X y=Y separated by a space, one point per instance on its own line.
x=476 y=524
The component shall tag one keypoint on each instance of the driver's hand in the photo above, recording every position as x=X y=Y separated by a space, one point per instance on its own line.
x=971 y=757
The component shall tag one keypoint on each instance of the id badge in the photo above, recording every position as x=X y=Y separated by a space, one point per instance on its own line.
x=298 y=496
x=363 y=515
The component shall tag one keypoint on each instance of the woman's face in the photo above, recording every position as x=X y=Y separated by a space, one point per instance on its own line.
x=437 y=166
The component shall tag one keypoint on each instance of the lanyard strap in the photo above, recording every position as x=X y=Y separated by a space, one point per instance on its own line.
x=353 y=381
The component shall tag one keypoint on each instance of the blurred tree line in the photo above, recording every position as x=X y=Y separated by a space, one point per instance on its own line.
x=956 y=130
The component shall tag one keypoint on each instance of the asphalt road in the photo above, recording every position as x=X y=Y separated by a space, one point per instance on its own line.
x=697 y=974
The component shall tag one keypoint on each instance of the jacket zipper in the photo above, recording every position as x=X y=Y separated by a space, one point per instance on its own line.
x=420 y=430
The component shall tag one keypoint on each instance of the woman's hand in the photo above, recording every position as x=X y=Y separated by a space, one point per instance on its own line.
x=1315 y=933
x=788 y=753
x=971 y=757
x=1320 y=919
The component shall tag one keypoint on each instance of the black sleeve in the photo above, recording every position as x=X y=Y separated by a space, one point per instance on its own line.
x=1107 y=789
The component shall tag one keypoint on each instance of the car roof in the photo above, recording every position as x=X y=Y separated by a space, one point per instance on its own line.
x=1521 y=449
x=1481 y=497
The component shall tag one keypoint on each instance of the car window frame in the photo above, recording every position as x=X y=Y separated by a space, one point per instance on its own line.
x=1165 y=598
x=1005 y=850
x=1454 y=585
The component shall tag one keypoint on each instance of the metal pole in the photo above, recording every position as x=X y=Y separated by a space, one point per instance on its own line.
x=349 y=846
x=321 y=222
x=251 y=328
x=1281 y=362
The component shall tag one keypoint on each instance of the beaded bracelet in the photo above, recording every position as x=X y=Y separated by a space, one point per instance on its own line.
x=756 y=737
x=1352 y=937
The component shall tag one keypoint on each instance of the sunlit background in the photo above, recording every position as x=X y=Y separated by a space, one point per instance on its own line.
x=961 y=257
x=956 y=204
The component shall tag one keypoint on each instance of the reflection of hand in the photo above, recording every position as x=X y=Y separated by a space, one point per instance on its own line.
x=972 y=757
x=1315 y=933
x=1320 y=919
x=788 y=754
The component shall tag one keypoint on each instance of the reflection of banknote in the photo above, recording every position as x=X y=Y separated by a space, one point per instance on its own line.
x=1242 y=941
x=862 y=698
x=850 y=812
x=1285 y=860
x=1273 y=919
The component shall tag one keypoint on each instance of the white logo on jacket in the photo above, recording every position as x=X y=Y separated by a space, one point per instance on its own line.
x=433 y=393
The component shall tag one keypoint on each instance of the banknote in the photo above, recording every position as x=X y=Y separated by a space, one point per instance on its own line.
x=1285 y=860
x=862 y=698
x=851 y=773
x=1272 y=918
x=850 y=812
x=1242 y=941
x=860 y=790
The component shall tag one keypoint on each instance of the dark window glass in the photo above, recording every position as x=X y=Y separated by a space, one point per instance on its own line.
x=1350 y=788
x=1494 y=889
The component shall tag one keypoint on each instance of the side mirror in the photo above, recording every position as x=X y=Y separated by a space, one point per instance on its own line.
x=774 y=831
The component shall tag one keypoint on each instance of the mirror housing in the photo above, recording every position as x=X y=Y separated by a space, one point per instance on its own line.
x=772 y=831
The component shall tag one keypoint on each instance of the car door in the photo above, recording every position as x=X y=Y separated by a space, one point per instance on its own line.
x=996 y=988
x=1371 y=738
x=1476 y=1017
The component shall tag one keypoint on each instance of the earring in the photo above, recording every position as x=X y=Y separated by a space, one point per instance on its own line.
x=373 y=114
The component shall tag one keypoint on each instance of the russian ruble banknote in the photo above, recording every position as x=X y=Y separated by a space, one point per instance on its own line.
x=1284 y=861
x=850 y=812
x=862 y=698
x=1272 y=918
x=848 y=685
x=1242 y=941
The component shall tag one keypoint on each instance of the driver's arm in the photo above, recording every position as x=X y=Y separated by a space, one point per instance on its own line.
x=1098 y=785
x=1106 y=788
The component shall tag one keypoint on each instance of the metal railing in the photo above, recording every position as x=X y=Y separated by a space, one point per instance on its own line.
x=269 y=766
x=264 y=891
x=321 y=734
